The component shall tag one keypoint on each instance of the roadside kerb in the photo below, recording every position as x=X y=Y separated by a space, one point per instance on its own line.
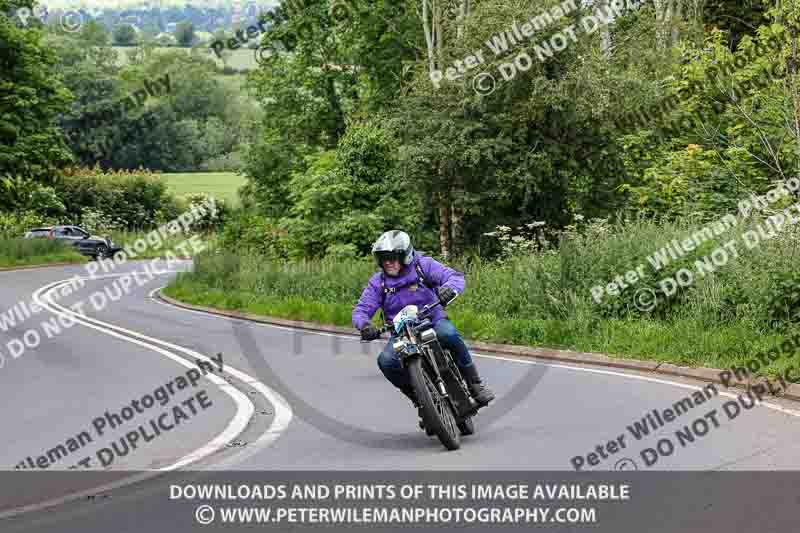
x=561 y=356
x=45 y=265
x=48 y=265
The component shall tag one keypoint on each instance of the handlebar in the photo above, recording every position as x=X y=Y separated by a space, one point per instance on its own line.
x=421 y=315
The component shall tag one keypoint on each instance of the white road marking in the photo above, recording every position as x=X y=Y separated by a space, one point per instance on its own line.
x=245 y=408
x=768 y=405
x=283 y=412
x=776 y=407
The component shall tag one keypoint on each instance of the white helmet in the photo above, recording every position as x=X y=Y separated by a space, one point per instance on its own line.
x=393 y=244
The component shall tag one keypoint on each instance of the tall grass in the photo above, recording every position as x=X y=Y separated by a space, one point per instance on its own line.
x=23 y=252
x=544 y=299
x=170 y=243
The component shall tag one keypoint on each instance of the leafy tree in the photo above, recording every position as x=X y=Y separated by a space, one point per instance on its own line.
x=184 y=34
x=94 y=34
x=31 y=146
x=124 y=35
x=344 y=196
x=737 y=19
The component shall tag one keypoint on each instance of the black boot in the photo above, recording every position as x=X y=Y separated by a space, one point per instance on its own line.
x=409 y=392
x=482 y=394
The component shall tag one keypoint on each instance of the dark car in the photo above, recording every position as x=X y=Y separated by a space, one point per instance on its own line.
x=86 y=244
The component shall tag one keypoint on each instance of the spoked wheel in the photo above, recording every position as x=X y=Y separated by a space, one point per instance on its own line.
x=467 y=426
x=436 y=410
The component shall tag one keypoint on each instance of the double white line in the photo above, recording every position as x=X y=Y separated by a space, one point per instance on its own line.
x=244 y=407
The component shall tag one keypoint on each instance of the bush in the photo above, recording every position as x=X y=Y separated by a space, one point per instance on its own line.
x=19 y=194
x=341 y=252
x=14 y=225
x=209 y=221
x=135 y=200
x=246 y=231
x=96 y=221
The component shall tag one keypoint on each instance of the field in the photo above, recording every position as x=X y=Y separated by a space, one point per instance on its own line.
x=221 y=184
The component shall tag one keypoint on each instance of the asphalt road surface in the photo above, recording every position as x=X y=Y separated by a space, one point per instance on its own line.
x=289 y=401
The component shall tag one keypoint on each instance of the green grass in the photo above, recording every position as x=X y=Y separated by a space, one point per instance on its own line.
x=25 y=252
x=128 y=239
x=683 y=343
x=222 y=185
x=544 y=299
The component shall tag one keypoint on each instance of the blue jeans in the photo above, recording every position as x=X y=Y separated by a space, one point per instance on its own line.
x=449 y=337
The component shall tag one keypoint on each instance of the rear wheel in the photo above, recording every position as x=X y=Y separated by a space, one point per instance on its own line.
x=437 y=413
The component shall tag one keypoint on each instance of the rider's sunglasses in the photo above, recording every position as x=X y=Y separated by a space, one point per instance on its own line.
x=390 y=256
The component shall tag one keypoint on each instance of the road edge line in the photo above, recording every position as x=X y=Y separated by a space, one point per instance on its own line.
x=711 y=375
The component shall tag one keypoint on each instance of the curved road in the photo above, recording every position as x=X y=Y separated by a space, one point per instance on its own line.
x=286 y=400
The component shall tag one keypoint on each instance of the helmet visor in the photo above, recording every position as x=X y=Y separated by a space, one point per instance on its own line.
x=396 y=255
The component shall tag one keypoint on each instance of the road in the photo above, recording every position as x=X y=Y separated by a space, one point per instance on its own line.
x=290 y=401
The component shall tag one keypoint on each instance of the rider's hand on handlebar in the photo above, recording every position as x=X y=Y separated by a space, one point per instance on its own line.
x=370 y=333
x=446 y=295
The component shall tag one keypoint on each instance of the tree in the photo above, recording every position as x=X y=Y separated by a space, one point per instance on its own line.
x=31 y=97
x=124 y=35
x=92 y=76
x=736 y=18
x=184 y=34
x=94 y=34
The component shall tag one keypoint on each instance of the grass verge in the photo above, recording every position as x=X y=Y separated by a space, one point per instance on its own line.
x=28 y=252
x=175 y=244
x=325 y=292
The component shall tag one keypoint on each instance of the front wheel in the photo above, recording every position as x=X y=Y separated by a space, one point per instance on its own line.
x=437 y=413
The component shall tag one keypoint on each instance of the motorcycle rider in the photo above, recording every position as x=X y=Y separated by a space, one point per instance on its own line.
x=410 y=278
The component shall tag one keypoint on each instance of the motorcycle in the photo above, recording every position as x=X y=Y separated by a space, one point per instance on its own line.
x=447 y=405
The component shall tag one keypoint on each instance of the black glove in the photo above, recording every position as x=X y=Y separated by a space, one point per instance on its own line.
x=369 y=333
x=446 y=295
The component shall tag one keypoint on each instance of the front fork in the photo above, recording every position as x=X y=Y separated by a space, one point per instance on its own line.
x=413 y=351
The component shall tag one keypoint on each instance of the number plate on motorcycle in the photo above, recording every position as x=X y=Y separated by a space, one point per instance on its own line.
x=409 y=312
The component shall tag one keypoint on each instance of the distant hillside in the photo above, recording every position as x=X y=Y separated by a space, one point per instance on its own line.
x=221 y=4
x=240 y=59
x=160 y=17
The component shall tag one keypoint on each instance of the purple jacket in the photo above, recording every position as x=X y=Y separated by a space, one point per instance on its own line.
x=408 y=293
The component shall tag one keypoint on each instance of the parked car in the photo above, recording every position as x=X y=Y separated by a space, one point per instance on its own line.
x=86 y=244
